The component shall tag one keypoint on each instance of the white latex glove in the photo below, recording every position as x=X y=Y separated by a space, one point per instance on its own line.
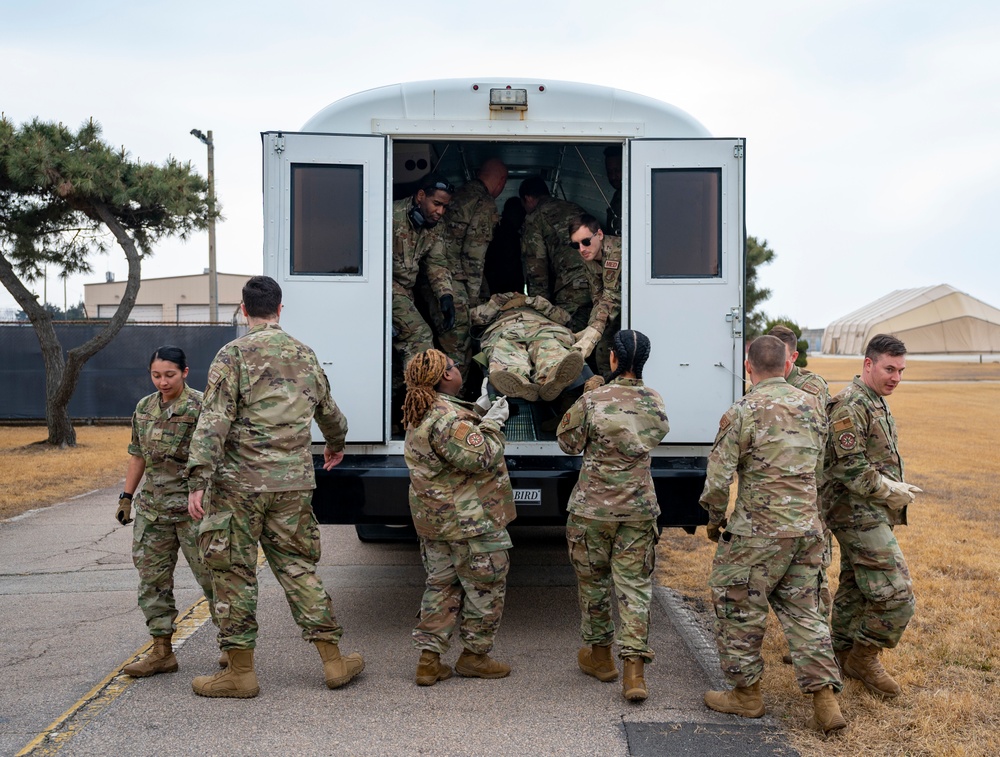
x=483 y=403
x=499 y=411
x=897 y=494
x=586 y=340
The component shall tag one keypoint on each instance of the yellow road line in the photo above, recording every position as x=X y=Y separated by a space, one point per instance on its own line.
x=53 y=738
x=91 y=704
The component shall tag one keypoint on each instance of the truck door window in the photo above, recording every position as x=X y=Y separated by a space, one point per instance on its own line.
x=327 y=219
x=686 y=225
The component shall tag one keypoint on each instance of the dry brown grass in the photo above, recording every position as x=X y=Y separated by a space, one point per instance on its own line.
x=948 y=661
x=36 y=475
x=846 y=368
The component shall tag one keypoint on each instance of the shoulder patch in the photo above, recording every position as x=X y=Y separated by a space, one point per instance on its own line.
x=843 y=424
x=611 y=264
x=847 y=441
x=725 y=423
x=810 y=387
x=214 y=376
x=475 y=439
x=462 y=430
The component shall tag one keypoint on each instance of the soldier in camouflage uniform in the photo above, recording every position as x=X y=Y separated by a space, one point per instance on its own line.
x=472 y=217
x=529 y=352
x=602 y=260
x=552 y=267
x=461 y=502
x=862 y=499
x=611 y=530
x=815 y=385
x=161 y=433
x=771 y=551
x=252 y=445
x=418 y=246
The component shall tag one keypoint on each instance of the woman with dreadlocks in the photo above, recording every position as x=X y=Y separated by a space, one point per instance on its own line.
x=461 y=502
x=611 y=530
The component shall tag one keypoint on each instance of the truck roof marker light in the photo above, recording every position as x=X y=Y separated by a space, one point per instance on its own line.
x=508 y=99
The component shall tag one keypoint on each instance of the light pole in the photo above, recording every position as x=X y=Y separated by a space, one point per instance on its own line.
x=213 y=277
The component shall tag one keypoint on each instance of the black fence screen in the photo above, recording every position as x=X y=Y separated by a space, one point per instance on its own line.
x=114 y=379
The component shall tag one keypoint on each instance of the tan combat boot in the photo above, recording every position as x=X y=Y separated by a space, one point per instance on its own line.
x=596 y=661
x=744 y=701
x=159 y=660
x=841 y=656
x=513 y=384
x=474 y=665
x=430 y=669
x=862 y=663
x=826 y=712
x=237 y=681
x=564 y=374
x=338 y=669
x=633 y=682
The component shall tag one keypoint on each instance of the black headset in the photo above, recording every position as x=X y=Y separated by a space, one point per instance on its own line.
x=416 y=217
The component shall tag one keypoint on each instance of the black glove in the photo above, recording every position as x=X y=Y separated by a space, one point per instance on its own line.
x=448 y=311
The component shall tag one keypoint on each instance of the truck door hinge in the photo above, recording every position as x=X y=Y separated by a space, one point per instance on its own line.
x=278 y=143
x=737 y=151
x=736 y=320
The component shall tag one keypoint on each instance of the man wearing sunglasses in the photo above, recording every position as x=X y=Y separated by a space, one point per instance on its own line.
x=552 y=270
x=602 y=260
x=418 y=246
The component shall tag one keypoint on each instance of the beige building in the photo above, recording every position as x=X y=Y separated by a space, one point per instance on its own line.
x=174 y=299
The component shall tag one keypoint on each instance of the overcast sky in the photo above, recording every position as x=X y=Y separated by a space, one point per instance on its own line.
x=872 y=127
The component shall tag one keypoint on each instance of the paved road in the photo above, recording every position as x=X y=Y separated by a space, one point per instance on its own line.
x=68 y=621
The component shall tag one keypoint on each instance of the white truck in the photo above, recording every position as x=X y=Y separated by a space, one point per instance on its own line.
x=328 y=191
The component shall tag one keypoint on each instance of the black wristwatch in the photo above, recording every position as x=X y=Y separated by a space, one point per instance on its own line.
x=126 y=495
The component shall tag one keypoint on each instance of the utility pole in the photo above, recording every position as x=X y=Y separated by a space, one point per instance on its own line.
x=213 y=275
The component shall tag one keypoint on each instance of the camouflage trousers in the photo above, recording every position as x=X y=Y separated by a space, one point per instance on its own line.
x=465 y=588
x=750 y=573
x=284 y=526
x=413 y=335
x=155 y=544
x=874 y=601
x=457 y=342
x=604 y=348
x=528 y=349
x=575 y=301
x=610 y=555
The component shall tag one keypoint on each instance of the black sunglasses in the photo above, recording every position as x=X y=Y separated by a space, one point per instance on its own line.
x=582 y=243
x=442 y=185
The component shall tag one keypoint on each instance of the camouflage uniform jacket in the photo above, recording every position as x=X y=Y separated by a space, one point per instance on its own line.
x=254 y=434
x=773 y=437
x=161 y=437
x=459 y=485
x=470 y=219
x=810 y=383
x=504 y=309
x=546 y=249
x=411 y=248
x=615 y=426
x=605 y=283
x=861 y=448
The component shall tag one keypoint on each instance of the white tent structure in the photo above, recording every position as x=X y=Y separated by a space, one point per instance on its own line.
x=930 y=320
